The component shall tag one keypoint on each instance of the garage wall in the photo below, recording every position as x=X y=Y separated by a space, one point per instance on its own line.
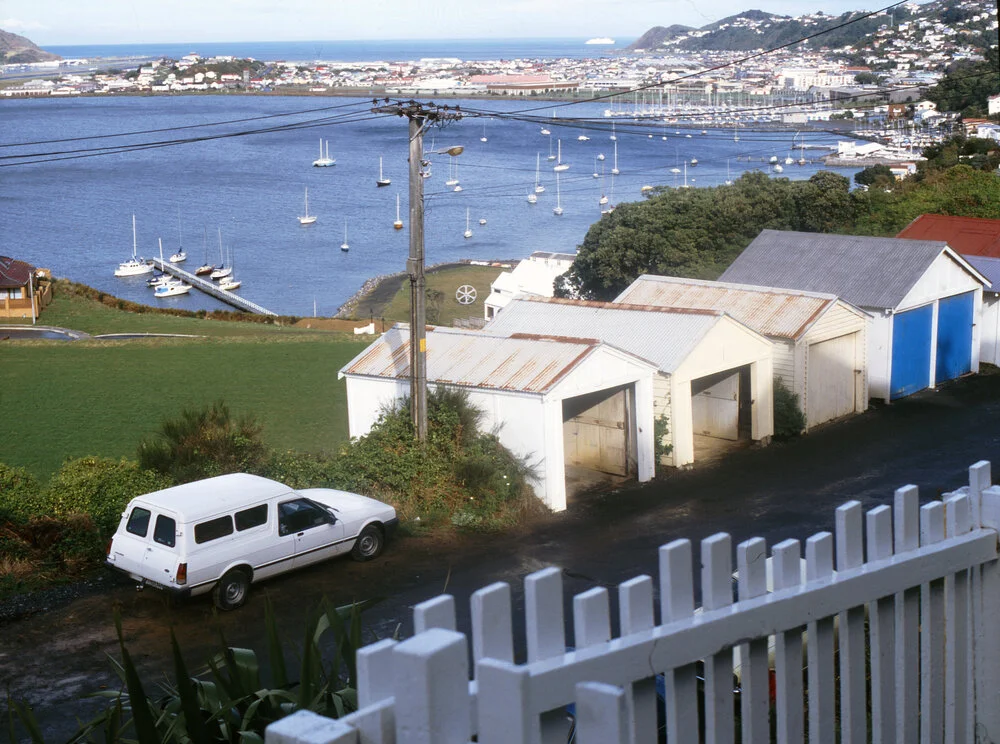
x=661 y=407
x=785 y=367
x=838 y=322
x=879 y=354
x=715 y=405
x=990 y=333
x=944 y=277
x=365 y=399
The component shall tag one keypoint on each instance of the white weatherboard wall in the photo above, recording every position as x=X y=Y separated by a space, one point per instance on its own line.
x=989 y=349
x=849 y=328
x=531 y=424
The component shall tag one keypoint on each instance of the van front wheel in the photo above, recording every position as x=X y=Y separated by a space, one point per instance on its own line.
x=369 y=544
x=231 y=591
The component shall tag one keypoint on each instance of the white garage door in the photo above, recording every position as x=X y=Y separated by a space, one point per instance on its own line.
x=832 y=379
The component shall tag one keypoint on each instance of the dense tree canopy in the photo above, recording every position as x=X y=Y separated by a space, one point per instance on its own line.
x=697 y=233
x=968 y=84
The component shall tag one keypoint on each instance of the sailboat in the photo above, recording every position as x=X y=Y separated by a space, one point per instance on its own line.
x=221 y=272
x=560 y=165
x=557 y=210
x=344 y=246
x=133 y=266
x=468 y=230
x=613 y=136
x=324 y=160
x=551 y=154
x=398 y=224
x=685 y=176
x=306 y=219
x=179 y=255
x=545 y=131
x=458 y=186
x=168 y=287
x=596 y=174
x=483 y=138
x=538 y=187
x=452 y=173
x=205 y=268
x=729 y=178
x=614 y=170
x=604 y=199
x=802 y=146
x=382 y=180
x=229 y=283
x=532 y=199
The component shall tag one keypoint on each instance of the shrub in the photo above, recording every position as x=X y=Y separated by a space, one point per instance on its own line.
x=99 y=487
x=299 y=470
x=789 y=421
x=204 y=443
x=19 y=495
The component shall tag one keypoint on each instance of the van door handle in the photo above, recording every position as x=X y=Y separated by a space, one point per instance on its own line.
x=300 y=534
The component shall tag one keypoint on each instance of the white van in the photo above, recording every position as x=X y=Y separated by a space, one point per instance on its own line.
x=224 y=533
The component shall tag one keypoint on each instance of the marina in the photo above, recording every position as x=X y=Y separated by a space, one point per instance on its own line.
x=210 y=288
x=252 y=187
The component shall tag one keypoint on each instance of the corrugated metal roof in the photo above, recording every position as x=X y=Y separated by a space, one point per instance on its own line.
x=966 y=236
x=474 y=359
x=664 y=336
x=783 y=313
x=868 y=272
x=988 y=266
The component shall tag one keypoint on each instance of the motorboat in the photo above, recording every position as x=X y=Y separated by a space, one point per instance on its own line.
x=172 y=289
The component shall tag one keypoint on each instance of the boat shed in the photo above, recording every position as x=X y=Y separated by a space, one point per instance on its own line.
x=820 y=341
x=715 y=376
x=531 y=389
x=925 y=299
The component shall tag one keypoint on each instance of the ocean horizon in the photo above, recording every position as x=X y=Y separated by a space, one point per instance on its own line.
x=353 y=51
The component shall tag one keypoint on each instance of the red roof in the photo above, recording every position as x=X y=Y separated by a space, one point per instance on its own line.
x=14 y=273
x=969 y=236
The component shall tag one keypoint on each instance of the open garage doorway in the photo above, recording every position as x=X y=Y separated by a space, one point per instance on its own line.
x=599 y=442
x=721 y=413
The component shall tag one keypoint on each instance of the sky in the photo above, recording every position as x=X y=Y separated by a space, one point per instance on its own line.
x=55 y=22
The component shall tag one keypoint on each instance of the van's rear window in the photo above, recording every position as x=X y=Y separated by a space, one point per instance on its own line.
x=138 y=522
x=213 y=529
x=255 y=516
x=165 y=532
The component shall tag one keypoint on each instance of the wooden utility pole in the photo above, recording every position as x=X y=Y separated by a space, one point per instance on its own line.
x=420 y=116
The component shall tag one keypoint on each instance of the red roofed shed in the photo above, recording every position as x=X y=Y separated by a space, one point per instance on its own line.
x=967 y=236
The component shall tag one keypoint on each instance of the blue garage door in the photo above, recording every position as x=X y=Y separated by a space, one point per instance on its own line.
x=954 y=336
x=911 y=351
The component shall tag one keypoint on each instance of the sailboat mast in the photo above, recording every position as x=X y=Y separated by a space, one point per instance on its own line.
x=133 y=236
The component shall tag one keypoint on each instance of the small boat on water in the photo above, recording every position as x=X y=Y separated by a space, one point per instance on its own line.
x=694 y=162
x=382 y=180
x=468 y=230
x=205 y=268
x=557 y=210
x=613 y=136
x=614 y=169
x=398 y=224
x=172 y=289
x=324 y=160
x=545 y=131
x=222 y=271
x=538 y=187
x=483 y=138
x=583 y=138
x=482 y=220
x=344 y=246
x=134 y=266
x=560 y=165
x=452 y=173
x=179 y=255
x=304 y=219
x=230 y=283
x=532 y=199
x=645 y=189
x=600 y=156
x=155 y=281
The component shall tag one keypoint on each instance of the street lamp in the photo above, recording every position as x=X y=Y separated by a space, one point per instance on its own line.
x=418 y=282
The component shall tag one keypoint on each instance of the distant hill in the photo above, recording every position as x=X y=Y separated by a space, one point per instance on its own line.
x=756 y=29
x=17 y=49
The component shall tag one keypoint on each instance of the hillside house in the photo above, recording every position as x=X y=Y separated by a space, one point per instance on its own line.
x=556 y=401
x=925 y=299
x=714 y=381
x=535 y=276
x=20 y=293
x=819 y=341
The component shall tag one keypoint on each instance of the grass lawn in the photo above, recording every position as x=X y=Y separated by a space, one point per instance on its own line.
x=446 y=280
x=69 y=399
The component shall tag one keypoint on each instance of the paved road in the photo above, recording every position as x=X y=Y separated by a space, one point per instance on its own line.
x=785 y=490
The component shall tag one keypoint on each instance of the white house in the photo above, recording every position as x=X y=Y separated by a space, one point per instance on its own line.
x=819 y=341
x=555 y=401
x=925 y=299
x=532 y=276
x=715 y=375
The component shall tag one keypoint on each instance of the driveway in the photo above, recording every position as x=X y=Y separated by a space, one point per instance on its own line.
x=785 y=490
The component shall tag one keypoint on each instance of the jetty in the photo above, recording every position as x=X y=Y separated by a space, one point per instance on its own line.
x=210 y=288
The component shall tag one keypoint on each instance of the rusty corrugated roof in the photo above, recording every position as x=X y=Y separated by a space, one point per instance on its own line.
x=781 y=313
x=474 y=359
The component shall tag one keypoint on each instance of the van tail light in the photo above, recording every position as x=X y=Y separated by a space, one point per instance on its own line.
x=182 y=573
x=108 y=551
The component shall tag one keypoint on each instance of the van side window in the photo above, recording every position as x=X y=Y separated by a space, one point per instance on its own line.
x=255 y=516
x=299 y=515
x=138 y=522
x=213 y=529
x=165 y=532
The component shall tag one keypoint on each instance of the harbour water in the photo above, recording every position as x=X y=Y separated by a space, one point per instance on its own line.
x=74 y=215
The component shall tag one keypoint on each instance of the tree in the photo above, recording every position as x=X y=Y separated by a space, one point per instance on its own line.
x=873 y=174
x=204 y=442
x=866 y=78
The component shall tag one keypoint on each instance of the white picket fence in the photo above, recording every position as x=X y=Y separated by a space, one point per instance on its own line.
x=917 y=614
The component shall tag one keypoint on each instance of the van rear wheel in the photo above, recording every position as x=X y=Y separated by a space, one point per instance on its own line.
x=369 y=544
x=231 y=591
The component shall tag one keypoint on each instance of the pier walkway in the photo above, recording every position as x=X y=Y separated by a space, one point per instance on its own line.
x=210 y=288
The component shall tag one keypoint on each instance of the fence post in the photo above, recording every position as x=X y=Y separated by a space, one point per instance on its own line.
x=306 y=727
x=492 y=627
x=956 y=722
x=434 y=613
x=503 y=707
x=545 y=629
x=716 y=593
x=932 y=635
x=853 y=706
x=788 y=649
x=677 y=603
x=601 y=714
x=431 y=688
x=375 y=672
x=591 y=617
x=881 y=633
x=980 y=479
x=987 y=648
x=906 y=537
x=635 y=614
x=751 y=564
x=819 y=639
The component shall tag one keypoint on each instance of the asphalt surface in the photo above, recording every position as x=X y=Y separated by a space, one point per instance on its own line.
x=786 y=490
